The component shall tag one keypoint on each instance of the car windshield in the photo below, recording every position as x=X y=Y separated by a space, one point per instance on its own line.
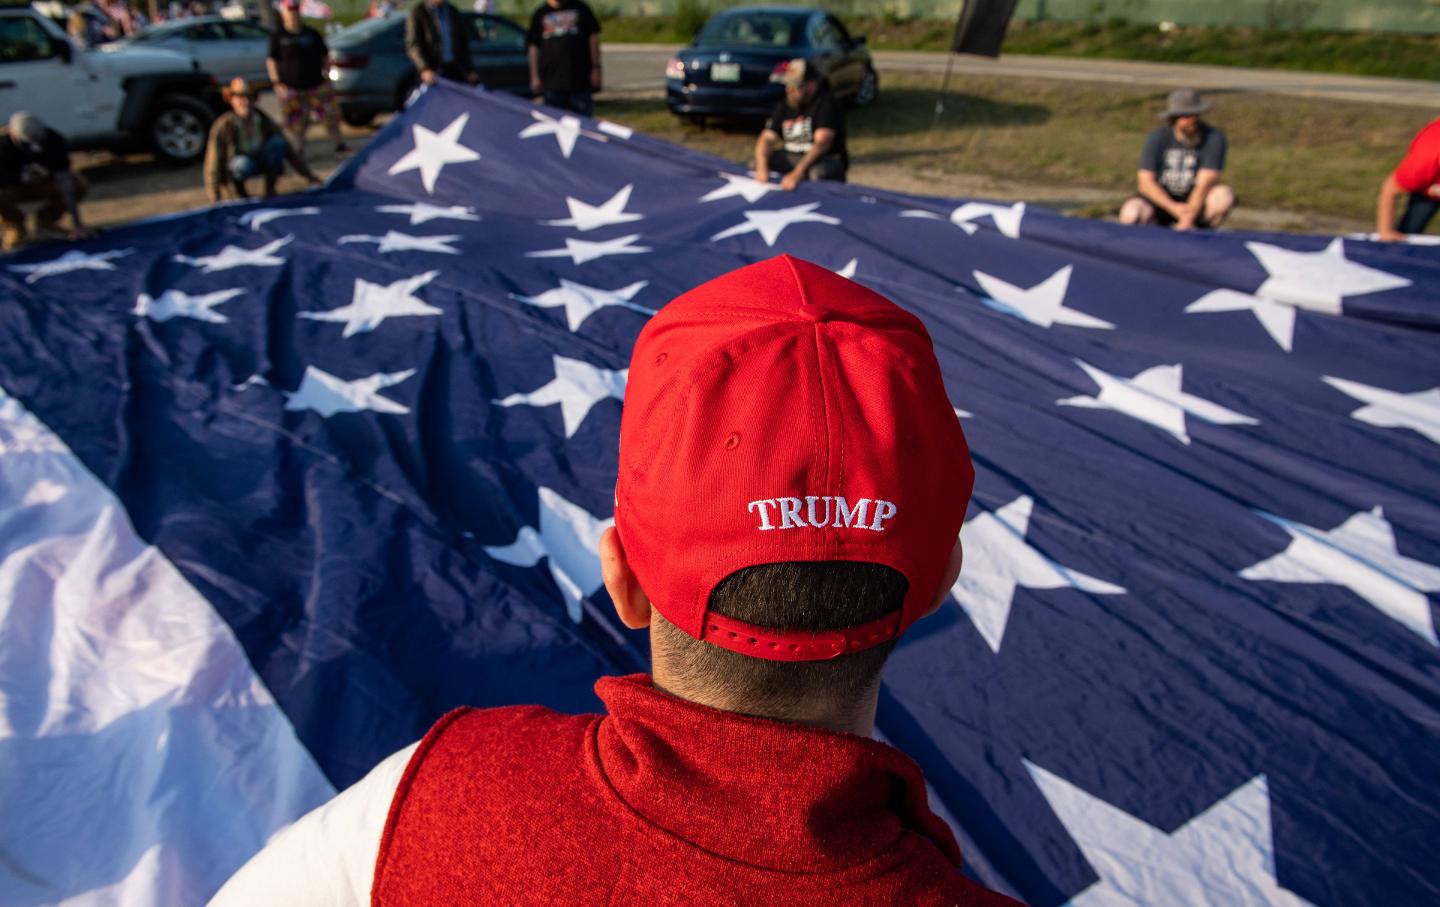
x=752 y=29
x=158 y=32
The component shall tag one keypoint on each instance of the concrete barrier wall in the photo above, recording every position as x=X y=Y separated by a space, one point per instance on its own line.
x=1357 y=15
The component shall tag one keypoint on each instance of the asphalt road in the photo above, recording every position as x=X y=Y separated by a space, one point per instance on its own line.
x=639 y=69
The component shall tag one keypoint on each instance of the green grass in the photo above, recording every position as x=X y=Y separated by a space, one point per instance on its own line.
x=1398 y=55
x=1320 y=158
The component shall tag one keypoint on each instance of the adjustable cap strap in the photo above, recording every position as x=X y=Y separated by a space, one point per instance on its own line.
x=796 y=645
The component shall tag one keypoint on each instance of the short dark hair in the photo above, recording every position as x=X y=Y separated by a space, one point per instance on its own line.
x=795 y=595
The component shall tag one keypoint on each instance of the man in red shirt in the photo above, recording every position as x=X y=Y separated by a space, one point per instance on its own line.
x=775 y=545
x=1419 y=175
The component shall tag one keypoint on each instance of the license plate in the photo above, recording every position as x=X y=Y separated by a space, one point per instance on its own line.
x=724 y=72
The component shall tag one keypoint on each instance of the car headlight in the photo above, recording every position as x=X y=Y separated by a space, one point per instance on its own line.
x=675 y=69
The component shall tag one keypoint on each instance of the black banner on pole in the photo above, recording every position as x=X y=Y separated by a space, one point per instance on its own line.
x=981 y=29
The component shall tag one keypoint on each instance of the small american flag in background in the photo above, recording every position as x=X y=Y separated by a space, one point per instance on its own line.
x=282 y=482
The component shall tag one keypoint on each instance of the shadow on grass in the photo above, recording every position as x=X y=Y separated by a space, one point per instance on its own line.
x=907 y=111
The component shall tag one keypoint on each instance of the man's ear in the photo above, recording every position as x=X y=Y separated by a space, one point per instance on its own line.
x=631 y=602
x=952 y=573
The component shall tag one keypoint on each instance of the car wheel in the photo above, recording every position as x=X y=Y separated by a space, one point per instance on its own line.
x=179 y=128
x=357 y=117
x=869 y=88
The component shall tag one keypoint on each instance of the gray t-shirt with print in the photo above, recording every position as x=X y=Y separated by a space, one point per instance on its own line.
x=1175 y=163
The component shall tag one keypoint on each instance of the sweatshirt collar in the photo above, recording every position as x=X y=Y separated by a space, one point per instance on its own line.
x=771 y=794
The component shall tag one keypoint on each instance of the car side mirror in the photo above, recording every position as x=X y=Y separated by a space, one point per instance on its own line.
x=64 y=51
x=859 y=41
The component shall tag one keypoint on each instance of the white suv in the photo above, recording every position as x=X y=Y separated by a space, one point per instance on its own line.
x=123 y=98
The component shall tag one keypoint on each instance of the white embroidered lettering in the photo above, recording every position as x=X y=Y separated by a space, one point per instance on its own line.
x=844 y=516
x=790 y=513
x=824 y=521
x=764 y=514
x=884 y=510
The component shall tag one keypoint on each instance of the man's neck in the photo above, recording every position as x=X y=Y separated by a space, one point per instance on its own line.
x=858 y=719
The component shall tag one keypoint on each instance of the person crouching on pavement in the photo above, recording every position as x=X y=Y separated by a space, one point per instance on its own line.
x=246 y=143
x=808 y=127
x=1180 y=167
x=35 y=166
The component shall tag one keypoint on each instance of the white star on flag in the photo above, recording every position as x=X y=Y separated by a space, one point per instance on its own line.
x=434 y=150
x=998 y=559
x=581 y=302
x=424 y=212
x=848 y=272
x=743 y=185
x=394 y=241
x=1278 y=319
x=1419 y=411
x=585 y=217
x=569 y=538
x=73 y=260
x=1006 y=218
x=962 y=413
x=236 y=257
x=615 y=129
x=259 y=217
x=1318 y=280
x=577 y=387
x=1155 y=398
x=177 y=304
x=328 y=395
x=770 y=224
x=1042 y=304
x=566 y=130
x=372 y=303
x=581 y=251
x=1361 y=556
x=1225 y=855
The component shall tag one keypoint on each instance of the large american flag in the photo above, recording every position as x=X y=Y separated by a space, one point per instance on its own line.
x=282 y=482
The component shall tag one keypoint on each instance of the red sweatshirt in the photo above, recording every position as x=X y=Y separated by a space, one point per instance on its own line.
x=661 y=801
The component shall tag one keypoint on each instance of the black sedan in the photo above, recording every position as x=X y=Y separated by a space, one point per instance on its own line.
x=735 y=65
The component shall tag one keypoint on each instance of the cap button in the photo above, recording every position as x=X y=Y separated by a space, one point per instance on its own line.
x=812 y=312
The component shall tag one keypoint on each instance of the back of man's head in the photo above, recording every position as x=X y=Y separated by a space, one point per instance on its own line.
x=792 y=481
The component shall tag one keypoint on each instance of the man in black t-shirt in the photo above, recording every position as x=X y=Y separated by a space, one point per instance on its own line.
x=805 y=136
x=35 y=166
x=564 y=51
x=296 y=64
x=1180 y=165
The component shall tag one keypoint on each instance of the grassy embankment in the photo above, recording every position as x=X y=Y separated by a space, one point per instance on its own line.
x=1297 y=164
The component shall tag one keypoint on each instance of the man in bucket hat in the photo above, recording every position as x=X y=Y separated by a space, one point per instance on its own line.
x=775 y=546
x=1180 y=166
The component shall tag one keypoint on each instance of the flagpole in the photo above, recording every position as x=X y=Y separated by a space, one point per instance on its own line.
x=944 y=86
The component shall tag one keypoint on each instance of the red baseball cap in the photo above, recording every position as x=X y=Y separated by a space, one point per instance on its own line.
x=783 y=413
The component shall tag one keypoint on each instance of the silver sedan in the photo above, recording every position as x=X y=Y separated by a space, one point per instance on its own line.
x=222 y=47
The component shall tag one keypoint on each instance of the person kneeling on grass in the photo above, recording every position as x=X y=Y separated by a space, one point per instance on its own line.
x=1419 y=176
x=35 y=166
x=1179 y=178
x=809 y=127
x=245 y=143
